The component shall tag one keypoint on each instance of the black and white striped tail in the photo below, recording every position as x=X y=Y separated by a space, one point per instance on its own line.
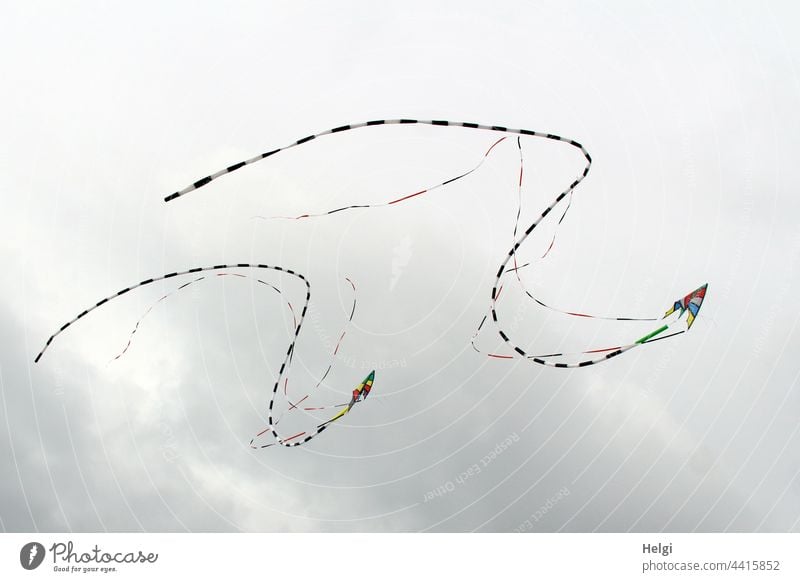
x=494 y=128
x=504 y=268
x=497 y=128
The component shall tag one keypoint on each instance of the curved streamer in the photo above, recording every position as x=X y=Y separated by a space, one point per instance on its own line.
x=688 y=304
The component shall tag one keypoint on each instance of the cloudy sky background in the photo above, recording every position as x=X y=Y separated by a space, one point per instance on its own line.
x=690 y=114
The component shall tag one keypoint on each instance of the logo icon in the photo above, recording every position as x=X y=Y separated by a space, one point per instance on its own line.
x=401 y=256
x=31 y=555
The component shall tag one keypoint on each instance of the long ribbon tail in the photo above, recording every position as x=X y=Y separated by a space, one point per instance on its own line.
x=403 y=198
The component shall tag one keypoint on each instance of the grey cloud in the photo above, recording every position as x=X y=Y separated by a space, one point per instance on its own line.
x=690 y=119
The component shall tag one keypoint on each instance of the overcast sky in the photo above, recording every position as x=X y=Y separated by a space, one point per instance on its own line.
x=690 y=114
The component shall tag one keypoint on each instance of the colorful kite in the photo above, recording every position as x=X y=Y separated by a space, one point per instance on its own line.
x=360 y=393
x=507 y=266
x=691 y=303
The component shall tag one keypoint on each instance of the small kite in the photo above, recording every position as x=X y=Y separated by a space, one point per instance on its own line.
x=690 y=303
x=508 y=265
x=360 y=393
